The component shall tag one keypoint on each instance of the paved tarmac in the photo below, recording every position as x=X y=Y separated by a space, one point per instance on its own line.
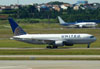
x=49 y=64
x=65 y=56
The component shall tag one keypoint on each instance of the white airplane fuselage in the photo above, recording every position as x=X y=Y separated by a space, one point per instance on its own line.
x=47 y=38
x=77 y=24
x=86 y=24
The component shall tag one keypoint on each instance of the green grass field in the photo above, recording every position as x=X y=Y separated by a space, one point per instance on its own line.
x=47 y=58
x=51 y=52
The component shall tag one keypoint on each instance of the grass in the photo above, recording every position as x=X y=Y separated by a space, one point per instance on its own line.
x=52 y=52
x=12 y=58
x=47 y=58
x=67 y=58
x=16 y=44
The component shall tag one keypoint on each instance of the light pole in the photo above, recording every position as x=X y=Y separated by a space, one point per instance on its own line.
x=18 y=9
x=17 y=2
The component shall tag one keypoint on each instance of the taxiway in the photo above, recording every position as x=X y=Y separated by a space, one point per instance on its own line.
x=49 y=64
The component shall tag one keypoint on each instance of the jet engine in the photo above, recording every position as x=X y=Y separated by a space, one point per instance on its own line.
x=59 y=43
x=68 y=44
x=62 y=43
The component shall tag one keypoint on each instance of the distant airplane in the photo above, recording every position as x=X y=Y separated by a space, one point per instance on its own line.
x=53 y=40
x=96 y=21
x=77 y=24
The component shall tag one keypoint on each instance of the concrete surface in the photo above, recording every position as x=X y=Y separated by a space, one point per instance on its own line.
x=50 y=64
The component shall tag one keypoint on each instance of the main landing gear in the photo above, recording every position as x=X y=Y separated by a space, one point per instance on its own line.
x=88 y=46
x=52 y=47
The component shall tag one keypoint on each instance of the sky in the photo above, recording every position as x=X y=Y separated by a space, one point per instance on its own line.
x=8 y=2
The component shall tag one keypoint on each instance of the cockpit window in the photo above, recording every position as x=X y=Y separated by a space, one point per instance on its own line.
x=91 y=36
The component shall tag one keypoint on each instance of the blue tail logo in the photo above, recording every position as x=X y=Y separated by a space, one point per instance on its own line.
x=17 y=30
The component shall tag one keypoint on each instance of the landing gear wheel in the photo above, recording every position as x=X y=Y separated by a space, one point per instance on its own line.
x=88 y=46
x=55 y=46
x=48 y=47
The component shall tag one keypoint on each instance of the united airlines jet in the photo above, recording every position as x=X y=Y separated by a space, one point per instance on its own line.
x=53 y=40
x=77 y=24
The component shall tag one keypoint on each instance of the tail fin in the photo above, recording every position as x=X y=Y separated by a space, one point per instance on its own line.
x=61 y=20
x=17 y=30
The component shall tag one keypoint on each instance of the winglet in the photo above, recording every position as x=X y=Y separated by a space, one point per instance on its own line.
x=17 y=30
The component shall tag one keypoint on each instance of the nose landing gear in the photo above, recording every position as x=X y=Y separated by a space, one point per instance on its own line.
x=88 y=46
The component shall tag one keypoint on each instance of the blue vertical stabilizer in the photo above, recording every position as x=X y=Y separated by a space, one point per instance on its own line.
x=17 y=30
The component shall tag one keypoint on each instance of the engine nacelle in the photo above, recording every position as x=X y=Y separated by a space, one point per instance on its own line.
x=68 y=44
x=59 y=43
x=79 y=26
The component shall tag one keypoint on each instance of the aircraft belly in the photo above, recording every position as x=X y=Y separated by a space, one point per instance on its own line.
x=79 y=41
x=33 y=41
x=88 y=26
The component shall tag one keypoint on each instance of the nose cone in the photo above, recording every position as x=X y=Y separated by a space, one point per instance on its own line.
x=96 y=24
x=94 y=39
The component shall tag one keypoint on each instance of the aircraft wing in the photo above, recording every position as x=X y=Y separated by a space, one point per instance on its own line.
x=47 y=41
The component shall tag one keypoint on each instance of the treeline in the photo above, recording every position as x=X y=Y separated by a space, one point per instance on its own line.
x=71 y=15
x=68 y=15
x=31 y=12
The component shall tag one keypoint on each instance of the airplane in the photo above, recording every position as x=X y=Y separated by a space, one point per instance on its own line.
x=77 y=24
x=53 y=40
x=96 y=21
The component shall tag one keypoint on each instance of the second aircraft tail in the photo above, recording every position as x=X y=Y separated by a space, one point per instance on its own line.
x=61 y=20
